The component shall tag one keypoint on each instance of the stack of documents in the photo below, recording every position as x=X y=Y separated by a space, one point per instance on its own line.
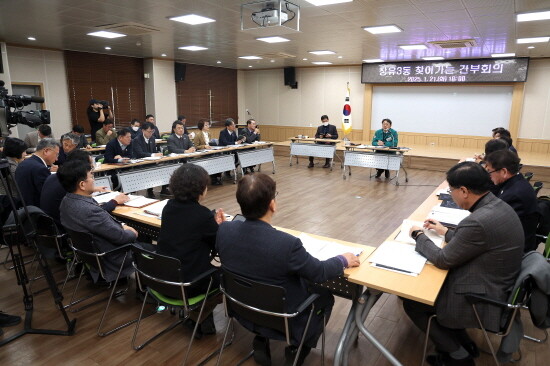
x=134 y=201
x=156 y=209
x=324 y=249
x=398 y=257
x=448 y=216
x=404 y=236
x=152 y=158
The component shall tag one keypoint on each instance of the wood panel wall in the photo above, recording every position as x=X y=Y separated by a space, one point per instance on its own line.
x=116 y=79
x=193 y=93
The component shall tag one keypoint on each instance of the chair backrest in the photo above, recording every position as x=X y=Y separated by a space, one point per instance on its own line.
x=518 y=298
x=47 y=234
x=159 y=273
x=262 y=304
x=528 y=176
x=86 y=250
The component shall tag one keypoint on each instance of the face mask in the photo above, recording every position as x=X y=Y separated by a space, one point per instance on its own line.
x=135 y=128
x=325 y=124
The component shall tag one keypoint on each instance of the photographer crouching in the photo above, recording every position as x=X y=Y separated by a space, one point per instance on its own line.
x=98 y=112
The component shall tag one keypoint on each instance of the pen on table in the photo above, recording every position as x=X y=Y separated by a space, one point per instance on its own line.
x=392 y=268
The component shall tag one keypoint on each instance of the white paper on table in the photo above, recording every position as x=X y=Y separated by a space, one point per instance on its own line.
x=324 y=249
x=260 y=142
x=138 y=201
x=105 y=197
x=156 y=208
x=448 y=215
x=404 y=236
x=217 y=147
x=152 y=158
x=361 y=147
x=398 y=257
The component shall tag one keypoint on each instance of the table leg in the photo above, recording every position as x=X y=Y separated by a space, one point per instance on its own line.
x=290 y=161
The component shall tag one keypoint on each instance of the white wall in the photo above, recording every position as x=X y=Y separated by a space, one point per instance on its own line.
x=5 y=76
x=160 y=92
x=535 y=117
x=321 y=90
x=47 y=67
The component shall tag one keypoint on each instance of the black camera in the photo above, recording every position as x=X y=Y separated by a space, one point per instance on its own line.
x=104 y=103
x=11 y=112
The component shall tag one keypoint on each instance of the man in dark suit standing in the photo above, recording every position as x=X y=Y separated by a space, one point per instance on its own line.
x=256 y=250
x=515 y=190
x=31 y=173
x=144 y=146
x=483 y=255
x=228 y=136
x=120 y=149
x=325 y=131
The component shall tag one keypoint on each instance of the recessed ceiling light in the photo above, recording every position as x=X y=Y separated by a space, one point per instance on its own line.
x=106 y=34
x=381 y=29
x=218 y=62
x=304 y=59
x=273 y=39
x=163 y=55
x=321 y=63
x=250 y=57
x=503 y=54
x=340 y=56
x=193 y=48
x=373 y=60
x=531 y=47
x=528 y=17
x=322 y=52
x=413 y=46
x=107 y=48
x=249 y=65
x=433 y=58
x=327 y=2
x=31 y=38
x=271 y=60
x=533 y=40
x=192 y=19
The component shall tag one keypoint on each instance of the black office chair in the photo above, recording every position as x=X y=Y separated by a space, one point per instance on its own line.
x=537 y=186
x=91 y=257
x=161 y=278
x=528 y=176
x=265 y=306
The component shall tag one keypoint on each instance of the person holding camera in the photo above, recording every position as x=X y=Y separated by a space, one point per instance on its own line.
x=98 y=112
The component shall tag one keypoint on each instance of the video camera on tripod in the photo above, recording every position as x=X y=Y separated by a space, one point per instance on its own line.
x=11 y=112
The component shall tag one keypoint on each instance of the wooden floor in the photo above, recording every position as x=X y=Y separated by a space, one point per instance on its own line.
x=359 y=209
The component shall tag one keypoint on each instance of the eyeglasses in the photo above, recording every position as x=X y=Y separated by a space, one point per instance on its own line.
x=450 y=190
x=492 y=171
x=276 y=194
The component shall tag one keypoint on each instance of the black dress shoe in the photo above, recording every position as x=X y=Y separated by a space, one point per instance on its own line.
x=327 y=165
x=165 y=192
x=207 y=326
x=262 y=354
x=290 y=355
x=251 y=169
x=378 y=174
x=472 y=349
x=443 y=359
x=387 y=173
x=311 y=165
x=7 y=320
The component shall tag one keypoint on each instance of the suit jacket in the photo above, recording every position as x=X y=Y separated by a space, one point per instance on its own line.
x=83 y=214
x=519 y=194
x=483 y=256
x=256 y=250
x=331 y=129
x=195 y=247
x=250 y=136
x=31 y=139
x=101 y=138
x=199 y=141
x=226 y=138
x=113 y=149
x=30 y=177
x=178 y=145
x=83 y=142
x=142 y=149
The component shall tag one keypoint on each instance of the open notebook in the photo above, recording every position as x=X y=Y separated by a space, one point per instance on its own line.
x=324 y=249
x=156 y=208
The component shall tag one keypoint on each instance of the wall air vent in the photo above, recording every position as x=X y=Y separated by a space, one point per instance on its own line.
x=454 y=43
x=276 y=55
x=130 y=28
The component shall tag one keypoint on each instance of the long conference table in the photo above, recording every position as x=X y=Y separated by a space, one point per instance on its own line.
x=423 y=288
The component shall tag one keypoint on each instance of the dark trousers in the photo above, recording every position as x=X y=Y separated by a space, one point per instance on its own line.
x=445 y=339
x=327 y=160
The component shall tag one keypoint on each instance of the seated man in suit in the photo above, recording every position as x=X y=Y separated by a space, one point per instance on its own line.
x=33 y=138
x=83 y=141
x=53 y=192
x=134 y=127
x=252 y=134
x=151 y=119
x=179 y=142
x=256 y=250
x=228 y=136
x=515 y=190
x=119 y=150
x=325 y=131
x=80 y=212
x=69 y=142
x=106 y=133
x=33 y=172
x=183 y=120
x=483 y=255
x=144 y=146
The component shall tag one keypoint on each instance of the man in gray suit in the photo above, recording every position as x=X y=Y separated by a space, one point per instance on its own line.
x=483 y=255
x=81 y=213
x=33 y=138
x=178 y=142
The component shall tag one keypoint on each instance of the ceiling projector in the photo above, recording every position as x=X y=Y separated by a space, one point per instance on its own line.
x=269 y=16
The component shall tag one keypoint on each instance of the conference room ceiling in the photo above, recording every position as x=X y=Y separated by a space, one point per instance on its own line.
x=64 y=24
